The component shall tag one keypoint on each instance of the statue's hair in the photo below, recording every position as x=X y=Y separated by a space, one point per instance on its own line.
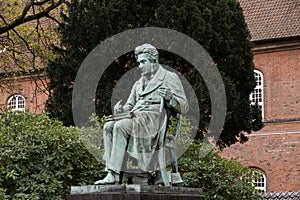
x=149 y=50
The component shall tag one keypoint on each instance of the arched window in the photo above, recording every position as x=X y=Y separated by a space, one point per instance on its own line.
x=16 y=102
x=257 y=96
x=258 y=179
x=260 y=183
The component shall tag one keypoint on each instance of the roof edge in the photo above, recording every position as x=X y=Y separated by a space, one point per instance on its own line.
x=275 y=39
x=274 y=45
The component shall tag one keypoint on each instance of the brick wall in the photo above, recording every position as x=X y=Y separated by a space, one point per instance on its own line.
x=276 y=148
x=32 y=88
x=281 y=72
x=277 y=155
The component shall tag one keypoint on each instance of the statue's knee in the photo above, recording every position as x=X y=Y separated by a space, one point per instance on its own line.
x=123 y=126
x=118 y=125
x=108 y=127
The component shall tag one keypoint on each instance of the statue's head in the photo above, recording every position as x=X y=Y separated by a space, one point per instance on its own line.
x=149 y=50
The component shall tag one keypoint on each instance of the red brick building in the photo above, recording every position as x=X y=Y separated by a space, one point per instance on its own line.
x=274 y=150
x=24 y=92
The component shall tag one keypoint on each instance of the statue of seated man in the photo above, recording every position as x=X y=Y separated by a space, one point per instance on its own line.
x=137 y=130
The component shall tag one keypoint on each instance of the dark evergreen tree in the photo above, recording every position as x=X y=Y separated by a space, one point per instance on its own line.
x=218 y=25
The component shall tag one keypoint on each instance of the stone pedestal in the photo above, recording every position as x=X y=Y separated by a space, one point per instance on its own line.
x=133 y=192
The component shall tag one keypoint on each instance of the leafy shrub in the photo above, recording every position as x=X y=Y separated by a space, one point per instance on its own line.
x=92 y=137
x=40 y=158
x=201 y=166
x=218 y=177
x=2 y=194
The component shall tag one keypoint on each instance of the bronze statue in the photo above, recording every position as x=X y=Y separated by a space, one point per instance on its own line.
x=136 y=126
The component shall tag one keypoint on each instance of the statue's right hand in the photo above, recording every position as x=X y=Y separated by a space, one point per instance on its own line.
x=118 y=108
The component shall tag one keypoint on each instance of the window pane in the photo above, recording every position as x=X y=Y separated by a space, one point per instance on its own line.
x=16 y=102
x=260 y=183
x=256 y=96
x=13 y=103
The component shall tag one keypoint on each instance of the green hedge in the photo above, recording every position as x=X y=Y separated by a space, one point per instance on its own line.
x=219 y=178
x=40 y=158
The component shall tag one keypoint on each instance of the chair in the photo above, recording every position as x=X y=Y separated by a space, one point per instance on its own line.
x=169 y=144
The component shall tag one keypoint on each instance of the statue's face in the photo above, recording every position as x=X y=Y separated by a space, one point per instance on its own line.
x=144 y=64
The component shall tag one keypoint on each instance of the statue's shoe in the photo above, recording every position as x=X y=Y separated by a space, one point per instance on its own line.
x=109 y=179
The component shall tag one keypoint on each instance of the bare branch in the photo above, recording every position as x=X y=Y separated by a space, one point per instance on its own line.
x=25 y=42
x=23 y=18
x=52 y=18
x=3 y=19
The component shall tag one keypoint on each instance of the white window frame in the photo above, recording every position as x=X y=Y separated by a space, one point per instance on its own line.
x=261 y=182
x=257 y=96
x=19 y=103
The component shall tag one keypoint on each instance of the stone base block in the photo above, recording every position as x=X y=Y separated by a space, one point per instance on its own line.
x=133 y=192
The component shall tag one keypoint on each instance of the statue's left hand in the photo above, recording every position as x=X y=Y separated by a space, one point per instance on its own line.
x=165 y=93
